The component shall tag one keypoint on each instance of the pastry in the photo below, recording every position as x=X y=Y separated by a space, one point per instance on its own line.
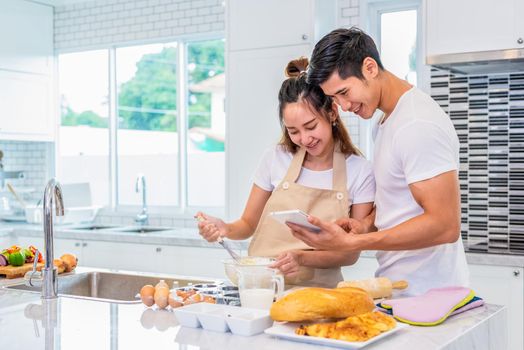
x=319 y=303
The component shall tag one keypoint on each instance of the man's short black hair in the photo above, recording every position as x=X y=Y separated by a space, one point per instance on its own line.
x=342 y=50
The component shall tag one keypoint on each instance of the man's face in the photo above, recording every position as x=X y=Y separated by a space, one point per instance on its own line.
x=352 y=94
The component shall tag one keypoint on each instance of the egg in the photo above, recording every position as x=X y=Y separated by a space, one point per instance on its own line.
x=162 y=284
x=175 y=302
x=161 y=297
x=147 y=295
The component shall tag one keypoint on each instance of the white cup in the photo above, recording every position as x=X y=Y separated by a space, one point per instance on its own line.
x=258 y=286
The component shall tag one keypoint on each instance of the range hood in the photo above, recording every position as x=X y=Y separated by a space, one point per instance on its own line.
x=500 y=61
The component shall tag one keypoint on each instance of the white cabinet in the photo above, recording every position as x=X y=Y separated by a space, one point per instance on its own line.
x=26 y=36
x=473 y=26
x=25 y=102
x=70 y=246
x=271 y=23
x=5 y=242
x=189 y=261
x=121 y=256
x=193 y=261
x=262 y=37
x=26 y=71
x=253 y=125
x=25 y=242
x=503 y=285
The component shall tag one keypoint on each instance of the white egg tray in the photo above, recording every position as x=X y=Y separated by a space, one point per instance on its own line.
x=224 y=318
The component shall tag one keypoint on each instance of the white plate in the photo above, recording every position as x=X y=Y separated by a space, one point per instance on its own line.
x=286 y=330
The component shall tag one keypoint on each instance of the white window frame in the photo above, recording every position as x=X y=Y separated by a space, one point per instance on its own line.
x=370 y=12
x=182 y=210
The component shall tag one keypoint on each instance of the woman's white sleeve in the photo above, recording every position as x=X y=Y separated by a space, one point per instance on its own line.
x=262 y=176
x=364 y=191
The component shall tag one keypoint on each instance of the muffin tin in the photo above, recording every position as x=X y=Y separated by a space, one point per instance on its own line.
x=223 y=294
x=224 y=318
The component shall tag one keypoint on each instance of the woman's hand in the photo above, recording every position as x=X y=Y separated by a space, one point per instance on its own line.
x=288 y=262
x=211 y=228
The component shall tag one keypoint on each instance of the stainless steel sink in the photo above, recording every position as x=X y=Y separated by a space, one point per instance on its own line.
x=144 y=229
x=106 y=286
x=93 y=227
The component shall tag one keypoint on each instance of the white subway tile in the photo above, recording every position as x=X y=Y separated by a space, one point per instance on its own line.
x=197 y=3
x=349 y=12
x=171 y=7
x=203 y=28
x=160 y=9
x=166 y=16
x=197 y=20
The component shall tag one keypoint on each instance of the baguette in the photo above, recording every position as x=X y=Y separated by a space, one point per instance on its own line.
x=320 y=303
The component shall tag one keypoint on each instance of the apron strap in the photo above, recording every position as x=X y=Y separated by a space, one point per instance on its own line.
x=339 y=169
x=296 y=166
x=339 y=172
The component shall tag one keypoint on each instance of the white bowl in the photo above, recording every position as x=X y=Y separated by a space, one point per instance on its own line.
x=214 y=320
x=230 y=265
x=188 y=315
x=248 y=322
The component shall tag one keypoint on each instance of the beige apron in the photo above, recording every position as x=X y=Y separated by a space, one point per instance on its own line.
x=272 y=238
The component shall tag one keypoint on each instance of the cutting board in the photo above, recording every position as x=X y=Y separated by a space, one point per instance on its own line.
x=18 y=271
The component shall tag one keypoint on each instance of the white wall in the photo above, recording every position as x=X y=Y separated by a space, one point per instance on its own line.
x=113 y=22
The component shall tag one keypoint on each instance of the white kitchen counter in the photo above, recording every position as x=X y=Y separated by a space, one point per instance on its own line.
x=27 y=322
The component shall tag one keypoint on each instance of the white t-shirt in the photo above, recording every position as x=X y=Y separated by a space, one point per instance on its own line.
x=417 y=142
x=276 y=161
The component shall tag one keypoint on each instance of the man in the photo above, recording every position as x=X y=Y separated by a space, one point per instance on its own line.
x=416 y=160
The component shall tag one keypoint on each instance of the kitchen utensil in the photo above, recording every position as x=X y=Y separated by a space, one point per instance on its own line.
x=431 y=308
x=258 y=286
x=380 y=287
x=230 y=265
x=17 y=197
x=223 y=243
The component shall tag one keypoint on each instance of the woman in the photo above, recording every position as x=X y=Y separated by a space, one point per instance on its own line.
x=315 y=168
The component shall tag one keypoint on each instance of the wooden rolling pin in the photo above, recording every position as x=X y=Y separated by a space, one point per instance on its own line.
x=380 y=287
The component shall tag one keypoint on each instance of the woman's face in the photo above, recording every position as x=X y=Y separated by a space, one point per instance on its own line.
x=308 y=129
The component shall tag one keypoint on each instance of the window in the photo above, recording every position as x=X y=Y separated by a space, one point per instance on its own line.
x=146 y=81
x=206 y=124
x=83 y=138
x=395 y=26
x=398 y=43
x=156 y=110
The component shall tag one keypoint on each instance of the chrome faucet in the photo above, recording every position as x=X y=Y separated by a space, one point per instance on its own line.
x=50 y=282
x=143 y=217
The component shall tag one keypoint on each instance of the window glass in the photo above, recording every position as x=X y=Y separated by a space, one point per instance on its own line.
x=206 y=124
x=83 y=147
x=147 y=135
x=398 y=51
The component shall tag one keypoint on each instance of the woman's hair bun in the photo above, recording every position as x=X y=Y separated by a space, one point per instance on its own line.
x=296 y=67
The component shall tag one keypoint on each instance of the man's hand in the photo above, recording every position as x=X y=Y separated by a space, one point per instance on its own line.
x=331 y=237
x=353 y=226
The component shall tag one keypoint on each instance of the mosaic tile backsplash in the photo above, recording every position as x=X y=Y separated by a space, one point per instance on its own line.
x=33 y=158
x=488 y=114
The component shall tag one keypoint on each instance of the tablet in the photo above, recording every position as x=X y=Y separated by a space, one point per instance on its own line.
x=295 y=216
